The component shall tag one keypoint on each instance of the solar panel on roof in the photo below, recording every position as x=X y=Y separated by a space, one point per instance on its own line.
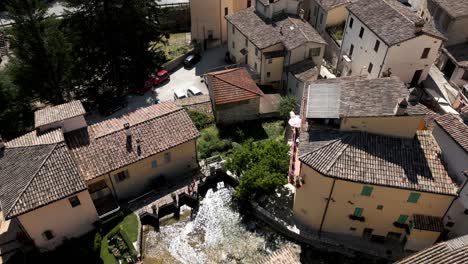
x=323 y=101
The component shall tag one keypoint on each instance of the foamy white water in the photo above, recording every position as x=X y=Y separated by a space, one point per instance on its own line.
x=216 y=235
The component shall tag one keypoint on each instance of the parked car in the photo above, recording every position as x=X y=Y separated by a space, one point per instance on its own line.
x=191 y=60
x=193 y=91
x=109 y=104
x=160 y=77
x=143 y=87
x=179 y=94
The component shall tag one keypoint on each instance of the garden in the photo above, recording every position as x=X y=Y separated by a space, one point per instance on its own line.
x=172 y=46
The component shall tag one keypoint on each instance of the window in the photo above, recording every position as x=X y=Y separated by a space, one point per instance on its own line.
x=74 y=201
x=121 y=176
x=351 y=49
x=256 y=52
x=268 y=74
x=351 y=21
x=249 y=3
x=366 y=191
x=369 y=70
x=154 y=164
x=402 y=219
x=226 y=11
x=425 y=53
x=465 y=76
x=233 y=30
x=377 y=45
x=246 y=42
x=321 y=18
x=361 y=32
x=314 y=52
x=167 y=157
x=358 y=212
x=450 y=224
x=233 y=45
x=255 y=66
x=413 y=197
x=270 y=61
x=315 y=11
x=379 y=207
x=210 y=34
x=48 y=235
x=422 y=14
x=466 y=211
x=352 y=228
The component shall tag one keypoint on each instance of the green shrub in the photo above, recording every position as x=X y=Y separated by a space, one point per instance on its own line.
x=200 y=120
x=210 y=143
x=97 y=242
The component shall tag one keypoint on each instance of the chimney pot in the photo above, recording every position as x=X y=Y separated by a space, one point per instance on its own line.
x=127 y=129
x=401 y=107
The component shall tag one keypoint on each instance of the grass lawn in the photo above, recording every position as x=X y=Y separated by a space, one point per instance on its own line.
x=173 y=47
x=129 y=225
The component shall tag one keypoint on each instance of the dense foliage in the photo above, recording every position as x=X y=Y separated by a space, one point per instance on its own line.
x=287 y=104
x=200 y=120
x=262 y=166
x=101 y=46
x=210 y=143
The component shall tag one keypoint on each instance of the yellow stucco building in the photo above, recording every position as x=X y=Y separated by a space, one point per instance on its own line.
x=58 y=183
x=366 y=171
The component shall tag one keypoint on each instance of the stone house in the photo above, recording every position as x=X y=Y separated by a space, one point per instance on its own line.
x=57 y=183
x=385 y=38
x=275 y=42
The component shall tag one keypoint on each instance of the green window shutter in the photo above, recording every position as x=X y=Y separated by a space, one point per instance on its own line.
x=402 y=219
x=413 y=197
x=367 y=191
x=358 y=211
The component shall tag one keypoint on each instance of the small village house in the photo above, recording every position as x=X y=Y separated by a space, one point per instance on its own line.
x=207 y=19
x=451 y=134
x=57 y=182
x=355 y=176
x=323 y=14
x=235 y=97
x=275 y=42
x=385 y=38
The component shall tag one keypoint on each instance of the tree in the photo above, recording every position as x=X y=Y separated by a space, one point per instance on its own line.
x=261 y=166
x=287 y=104
x=15 y=110
x=210 y=143
x=111 y=39
x=42 y=62
x=201 y=120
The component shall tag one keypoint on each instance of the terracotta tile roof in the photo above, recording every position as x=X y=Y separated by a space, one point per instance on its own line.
x=380 y=160
x=285 y=255
x=390 y=20
x=37 y=138
x=102 y=148
x=56 y=113
x=454 y=251
x=304 y=71
x=459 y=53
x=200 y=99
x=231 y=86
x=455 y=9
x=289 y=30
x=428 y=223
x=31 y=177
x=455 y=128
x=358 y=97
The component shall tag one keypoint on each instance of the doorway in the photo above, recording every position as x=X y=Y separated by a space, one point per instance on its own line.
x=416 y=77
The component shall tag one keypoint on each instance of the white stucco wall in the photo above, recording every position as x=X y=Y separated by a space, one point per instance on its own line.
x=62 y=219
x=363 y=52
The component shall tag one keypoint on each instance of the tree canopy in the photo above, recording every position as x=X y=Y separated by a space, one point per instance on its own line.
x=287 y=104
x=261 y=167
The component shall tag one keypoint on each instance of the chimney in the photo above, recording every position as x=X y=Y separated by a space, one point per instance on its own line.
x=418 y=26
x=301 y=14
x=2 y=144
x=127 y=130
x=138 y=147
x=401 y=107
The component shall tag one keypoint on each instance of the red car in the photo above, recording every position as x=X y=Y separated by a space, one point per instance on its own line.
x=146 y=86
x=160 y=77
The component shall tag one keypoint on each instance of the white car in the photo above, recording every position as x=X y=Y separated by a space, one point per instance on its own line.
x=179 y=94
x=193 y=91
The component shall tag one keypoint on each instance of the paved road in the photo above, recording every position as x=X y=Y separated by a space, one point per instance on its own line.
x=181 y=79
